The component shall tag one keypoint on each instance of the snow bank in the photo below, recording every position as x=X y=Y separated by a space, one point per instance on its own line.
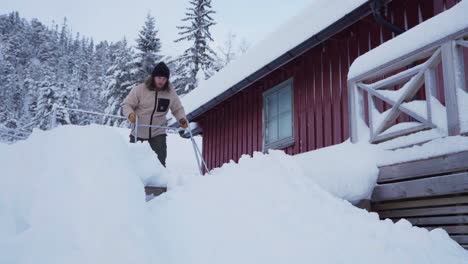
x=262 y=210
x=354 y=178
x=180 y=162
x=74 y=195
x=435 y=28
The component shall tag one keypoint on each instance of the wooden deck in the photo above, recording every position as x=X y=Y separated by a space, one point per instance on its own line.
x=429 y=193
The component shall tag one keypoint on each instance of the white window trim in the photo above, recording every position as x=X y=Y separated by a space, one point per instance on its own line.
x=285 y=142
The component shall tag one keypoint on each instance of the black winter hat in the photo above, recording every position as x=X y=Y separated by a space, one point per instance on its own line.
x=161 y=69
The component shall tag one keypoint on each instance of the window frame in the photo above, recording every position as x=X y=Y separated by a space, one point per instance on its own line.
x=285 y=142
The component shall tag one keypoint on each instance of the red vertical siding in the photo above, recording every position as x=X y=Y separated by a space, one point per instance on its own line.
x=335 y=77
x=344 y=67
x=244 y=122
x=302 y=92
x=309 y=69
x=238 y=126
x=326 y=87
x=250 y=115
x=254 y=114
x=320 y=90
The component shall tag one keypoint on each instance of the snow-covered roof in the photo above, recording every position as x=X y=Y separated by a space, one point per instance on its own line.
x=313 y=19
x=430 y=31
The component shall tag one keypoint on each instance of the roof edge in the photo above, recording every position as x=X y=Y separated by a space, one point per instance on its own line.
x=339 y=25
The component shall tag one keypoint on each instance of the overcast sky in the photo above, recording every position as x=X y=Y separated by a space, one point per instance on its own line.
x=113 y=19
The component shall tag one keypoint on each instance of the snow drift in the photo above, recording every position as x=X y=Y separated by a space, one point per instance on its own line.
x=75 y=195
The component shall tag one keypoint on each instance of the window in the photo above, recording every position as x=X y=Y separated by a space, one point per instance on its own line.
x=278 y=116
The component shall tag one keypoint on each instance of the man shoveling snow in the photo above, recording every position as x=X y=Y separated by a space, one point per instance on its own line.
x=149 y=102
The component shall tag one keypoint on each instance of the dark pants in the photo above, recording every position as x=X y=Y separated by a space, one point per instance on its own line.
x=158 y=145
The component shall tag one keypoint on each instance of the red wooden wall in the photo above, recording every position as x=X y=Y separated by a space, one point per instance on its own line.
x=234 y=127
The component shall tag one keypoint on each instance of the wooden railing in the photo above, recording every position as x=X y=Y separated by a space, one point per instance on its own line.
x=438 y=64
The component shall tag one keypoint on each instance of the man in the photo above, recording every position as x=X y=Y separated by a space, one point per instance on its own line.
x=151 y=101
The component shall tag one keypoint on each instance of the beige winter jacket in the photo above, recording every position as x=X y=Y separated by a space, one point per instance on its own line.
x=151 y=107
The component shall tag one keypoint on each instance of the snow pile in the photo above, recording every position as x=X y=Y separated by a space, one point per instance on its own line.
x=75 y=195
x=412 y=139
x=263 y=210
x=433 y=148
x=354 y=178
x=181 y=162
x=181 y=156
x=438 y=27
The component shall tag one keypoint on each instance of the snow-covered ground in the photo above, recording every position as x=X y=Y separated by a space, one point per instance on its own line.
x=75 y=195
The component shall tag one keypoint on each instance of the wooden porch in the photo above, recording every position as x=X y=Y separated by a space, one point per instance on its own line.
x=430 y=193
x=407 y=98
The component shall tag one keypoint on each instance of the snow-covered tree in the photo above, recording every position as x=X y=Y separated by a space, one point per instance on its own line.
x=42 y=66
x=198 y=60
x=120 y=79
x=148 y=47
x=50 y=94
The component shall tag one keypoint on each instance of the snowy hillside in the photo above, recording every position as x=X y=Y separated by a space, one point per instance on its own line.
x=75 y=195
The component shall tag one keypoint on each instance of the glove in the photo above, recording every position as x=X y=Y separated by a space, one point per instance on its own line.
x=183 y=123
x=184 y=134
x=132 y=118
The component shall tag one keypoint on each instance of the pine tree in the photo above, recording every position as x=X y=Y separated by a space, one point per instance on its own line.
x=100 y=61
x=50 y=94
x=8 y=81
x=120 y=79
x=199 y=59
x=148 y=47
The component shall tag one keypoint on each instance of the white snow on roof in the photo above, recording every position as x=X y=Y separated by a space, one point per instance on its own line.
x=314 y=18
x=434 y=29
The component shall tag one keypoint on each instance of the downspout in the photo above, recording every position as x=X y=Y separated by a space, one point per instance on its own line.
x=376 y=7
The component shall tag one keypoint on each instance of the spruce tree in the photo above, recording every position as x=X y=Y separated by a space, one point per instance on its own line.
x=198 y=61
x=148 y=48
x=120 y=79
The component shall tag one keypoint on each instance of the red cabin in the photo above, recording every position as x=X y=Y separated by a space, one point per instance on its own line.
x=291 y=93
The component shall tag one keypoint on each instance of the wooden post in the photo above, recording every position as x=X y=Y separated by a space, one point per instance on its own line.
x=356 y=110
x=459 y=67
x=372 y=109
x=450 y=81
x=431 y=91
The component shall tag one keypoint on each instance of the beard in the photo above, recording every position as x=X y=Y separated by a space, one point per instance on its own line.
x=159 y=86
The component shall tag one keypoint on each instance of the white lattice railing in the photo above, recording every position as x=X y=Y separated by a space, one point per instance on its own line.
x=420 y=72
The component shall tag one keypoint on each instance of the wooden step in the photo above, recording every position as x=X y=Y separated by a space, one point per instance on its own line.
x=155 y=191
x=430 y=193
x=448 y=163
